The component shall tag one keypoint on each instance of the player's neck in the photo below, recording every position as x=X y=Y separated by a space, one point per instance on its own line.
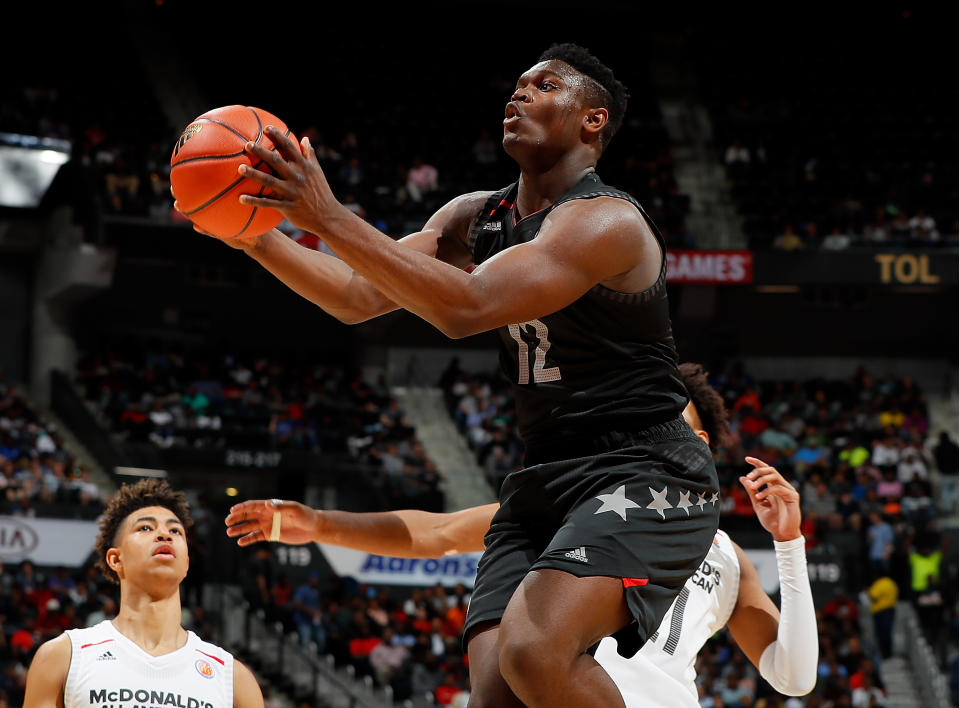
x=152 y=623
x=538 y=189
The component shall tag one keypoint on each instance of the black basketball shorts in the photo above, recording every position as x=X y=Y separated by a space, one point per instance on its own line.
x=641 y=506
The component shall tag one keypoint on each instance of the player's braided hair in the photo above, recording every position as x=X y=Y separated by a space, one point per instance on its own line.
x=130 y=497
x=605 y=89
x=709 y=403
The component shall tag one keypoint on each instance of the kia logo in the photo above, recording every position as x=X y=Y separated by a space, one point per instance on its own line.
x=16 y=537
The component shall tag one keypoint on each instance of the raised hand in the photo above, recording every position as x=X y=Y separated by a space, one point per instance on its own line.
x=253 y=521
x=293 y=172
x=776 y=506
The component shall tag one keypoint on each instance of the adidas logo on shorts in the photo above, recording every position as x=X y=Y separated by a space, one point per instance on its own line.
x=106 y=656
x=578 y=554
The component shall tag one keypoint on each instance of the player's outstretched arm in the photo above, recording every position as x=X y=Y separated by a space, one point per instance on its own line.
x=246 y=691
x=48 y=674
x=407 y=533
x=581 y=243
x=337 y=288
x=782 y=644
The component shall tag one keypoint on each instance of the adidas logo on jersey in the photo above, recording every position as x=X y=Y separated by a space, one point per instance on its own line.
x=578 y=554
x=106 y=656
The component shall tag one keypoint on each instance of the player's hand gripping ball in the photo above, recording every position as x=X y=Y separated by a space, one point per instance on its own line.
x=204 y=177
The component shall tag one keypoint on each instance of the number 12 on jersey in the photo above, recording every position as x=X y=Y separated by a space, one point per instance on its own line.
x=533 y=334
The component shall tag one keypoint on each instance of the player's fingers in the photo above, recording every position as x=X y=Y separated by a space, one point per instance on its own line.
x=759 y=472
x=756 y=462
x=286 y=147
x=772 y=477
x=260 y=177
x=764 y=472
x=241 y=528
x=786 y=493
x=261 y=152
x=750 y=488
x=760 y=478
x=248 y=505
x=310 y=152
x=201 y=231
x=268 y=202
x=251 y=538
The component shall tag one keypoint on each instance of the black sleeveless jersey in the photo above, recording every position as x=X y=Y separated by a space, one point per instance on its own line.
x=606 y=362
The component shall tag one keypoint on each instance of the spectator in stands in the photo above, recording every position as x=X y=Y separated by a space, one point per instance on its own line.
x=946 y=455
x=789 y=240
x=925 y=562
x=911 y=465
x=885 y=453
x=811 y=454
x=450 y=692
x=880 y=538
x=387 y=658
x=308 y=612
x=106 y=610
x=737 y=160
x=422 y=179
x=922 y=228
x=883 y=595
x=868 y=695
x=837 y=240
x=916 y=504
x=486 y=150
x=351 y=175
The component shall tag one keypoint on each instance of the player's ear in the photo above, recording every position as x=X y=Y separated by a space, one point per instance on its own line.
x=113 y=560
x=595 y=119
x=704 y=436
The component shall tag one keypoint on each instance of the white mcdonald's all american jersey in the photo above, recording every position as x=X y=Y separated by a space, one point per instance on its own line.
x=663 y=672
x=108 y=670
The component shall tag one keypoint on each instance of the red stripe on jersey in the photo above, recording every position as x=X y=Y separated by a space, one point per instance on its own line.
x=502 y=203
x=634 y=582
x=215 y=658
x=84 y=646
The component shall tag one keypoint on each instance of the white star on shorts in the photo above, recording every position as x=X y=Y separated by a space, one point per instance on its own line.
x=684 y=502
x=617 y=501
x=659 y=502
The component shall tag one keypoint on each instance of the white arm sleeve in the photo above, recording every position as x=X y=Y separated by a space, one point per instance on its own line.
x=789 y=663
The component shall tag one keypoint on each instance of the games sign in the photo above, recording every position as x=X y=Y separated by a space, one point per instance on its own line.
x=709 y=267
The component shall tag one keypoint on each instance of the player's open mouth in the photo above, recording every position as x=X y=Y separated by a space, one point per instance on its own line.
x=166 y=551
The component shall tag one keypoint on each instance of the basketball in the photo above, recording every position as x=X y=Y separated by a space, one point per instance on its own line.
x=204 y=177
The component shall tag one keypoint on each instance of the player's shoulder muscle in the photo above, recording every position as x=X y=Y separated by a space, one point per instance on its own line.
x=246 y=691
x=48 y=673
x=451 y=226
x=607 y=220
x=458 y=214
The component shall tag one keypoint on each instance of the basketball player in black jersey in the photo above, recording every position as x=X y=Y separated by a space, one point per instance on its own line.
x=618 y=502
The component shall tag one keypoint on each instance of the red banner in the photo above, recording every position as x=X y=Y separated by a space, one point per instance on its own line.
x=709 y=267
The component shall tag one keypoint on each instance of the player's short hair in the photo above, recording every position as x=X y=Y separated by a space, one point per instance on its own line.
x=130 y=497
x=604 y=90
x=709 y=403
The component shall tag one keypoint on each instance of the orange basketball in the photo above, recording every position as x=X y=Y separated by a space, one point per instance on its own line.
x=204 y=177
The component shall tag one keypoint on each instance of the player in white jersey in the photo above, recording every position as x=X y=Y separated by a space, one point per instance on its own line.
x=784 y=645
x=143 y=657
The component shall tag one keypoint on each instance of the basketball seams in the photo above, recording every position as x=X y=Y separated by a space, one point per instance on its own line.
x=259 y=127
